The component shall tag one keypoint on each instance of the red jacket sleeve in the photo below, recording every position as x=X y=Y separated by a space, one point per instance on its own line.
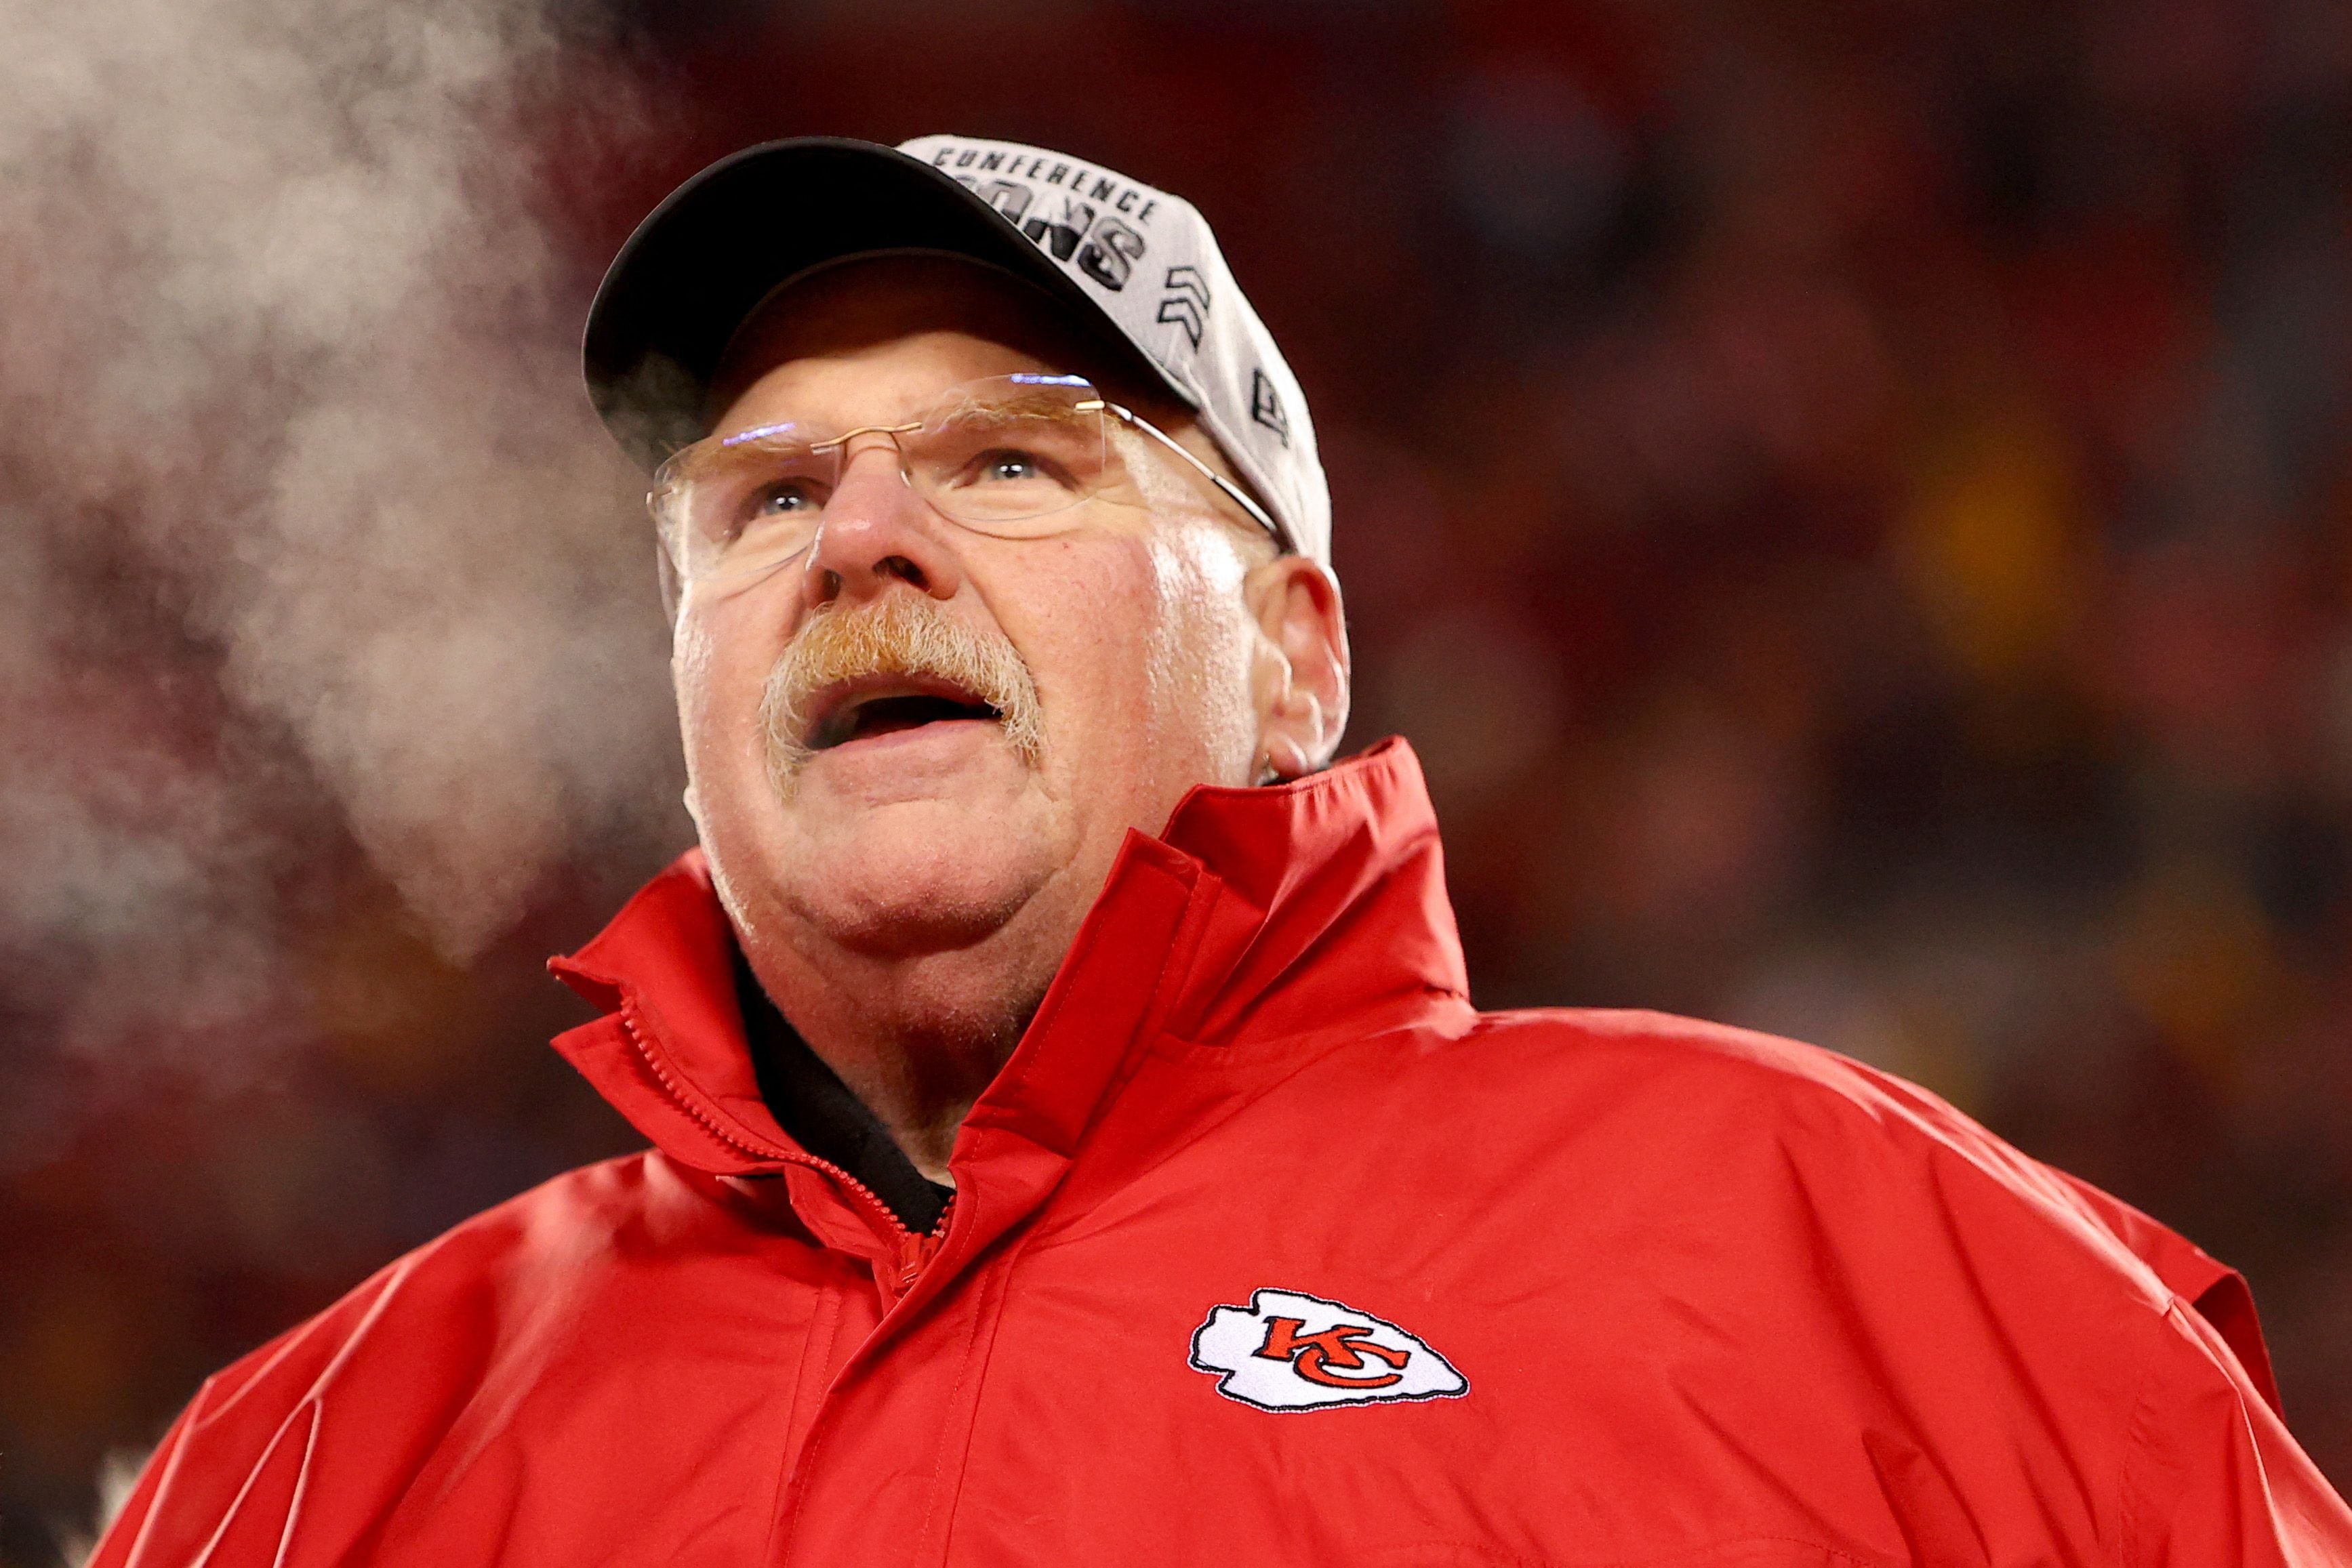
x=2217 y=1291
x=2214 y=1477
x=223 y=1485
x=114 y=1549
x=204 y=1492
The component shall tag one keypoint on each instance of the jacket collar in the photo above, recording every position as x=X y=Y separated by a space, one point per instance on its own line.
x=1258 y=912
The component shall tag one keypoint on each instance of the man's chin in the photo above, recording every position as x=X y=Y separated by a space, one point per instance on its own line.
x=894 y=898
x=898 y=867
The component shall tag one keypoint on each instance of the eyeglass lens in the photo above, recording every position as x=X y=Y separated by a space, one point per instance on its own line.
x=1006 y=455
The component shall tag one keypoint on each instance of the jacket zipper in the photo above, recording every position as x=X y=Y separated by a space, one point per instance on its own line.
x=915 y=1253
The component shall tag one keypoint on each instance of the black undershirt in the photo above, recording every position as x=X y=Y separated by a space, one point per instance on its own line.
x=825 y=1117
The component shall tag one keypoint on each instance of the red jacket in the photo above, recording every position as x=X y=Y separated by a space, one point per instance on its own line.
x=1267 y=1249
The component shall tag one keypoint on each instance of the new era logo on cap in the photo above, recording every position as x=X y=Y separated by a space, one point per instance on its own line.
x=1290 y=1351
x=1149 y=263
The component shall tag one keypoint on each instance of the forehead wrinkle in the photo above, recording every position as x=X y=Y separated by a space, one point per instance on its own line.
x=888 y=383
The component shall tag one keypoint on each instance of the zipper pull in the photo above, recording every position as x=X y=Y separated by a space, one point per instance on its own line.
x=914 y=1252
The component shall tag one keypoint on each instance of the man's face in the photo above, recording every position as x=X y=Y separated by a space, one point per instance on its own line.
x=889 y=832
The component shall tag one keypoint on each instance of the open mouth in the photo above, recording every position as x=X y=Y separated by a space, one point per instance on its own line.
x=863 y=710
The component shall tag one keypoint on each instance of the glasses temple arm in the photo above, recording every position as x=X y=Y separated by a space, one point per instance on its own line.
x=1241 y=497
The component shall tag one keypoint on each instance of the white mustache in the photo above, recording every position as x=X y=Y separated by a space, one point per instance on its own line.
x=900 y=635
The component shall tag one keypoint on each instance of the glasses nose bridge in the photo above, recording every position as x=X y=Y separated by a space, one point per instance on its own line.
x=838 y=446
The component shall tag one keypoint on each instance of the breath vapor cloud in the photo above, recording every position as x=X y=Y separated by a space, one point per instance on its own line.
x=284 y=366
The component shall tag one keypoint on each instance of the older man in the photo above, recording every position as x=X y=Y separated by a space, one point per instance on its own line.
x=1071 y=1138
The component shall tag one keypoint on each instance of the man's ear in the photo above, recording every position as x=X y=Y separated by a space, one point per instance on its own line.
x=1299 y=679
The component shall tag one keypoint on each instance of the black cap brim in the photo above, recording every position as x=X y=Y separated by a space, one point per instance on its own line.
x=702 y=262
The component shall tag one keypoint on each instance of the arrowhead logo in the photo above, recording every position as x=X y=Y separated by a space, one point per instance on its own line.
x=1187 y=305
x=1290 y=1351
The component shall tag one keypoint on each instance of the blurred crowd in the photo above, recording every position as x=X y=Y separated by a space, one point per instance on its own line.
x=1850 y=501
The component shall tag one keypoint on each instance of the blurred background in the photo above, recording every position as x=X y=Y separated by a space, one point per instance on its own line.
x=1852 y=500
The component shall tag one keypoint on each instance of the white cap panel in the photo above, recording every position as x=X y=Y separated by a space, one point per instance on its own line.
x=1150 y=261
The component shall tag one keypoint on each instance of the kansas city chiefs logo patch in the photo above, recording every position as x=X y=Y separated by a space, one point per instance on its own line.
x=1290 y=1351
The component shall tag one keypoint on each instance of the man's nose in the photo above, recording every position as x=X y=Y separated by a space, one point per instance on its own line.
x=878 y=531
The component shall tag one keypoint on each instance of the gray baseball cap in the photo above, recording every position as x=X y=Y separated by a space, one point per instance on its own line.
x=1115 y=251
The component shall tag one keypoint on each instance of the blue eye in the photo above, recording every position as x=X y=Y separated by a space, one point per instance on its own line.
x=779 y=500
x=1004 y=465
